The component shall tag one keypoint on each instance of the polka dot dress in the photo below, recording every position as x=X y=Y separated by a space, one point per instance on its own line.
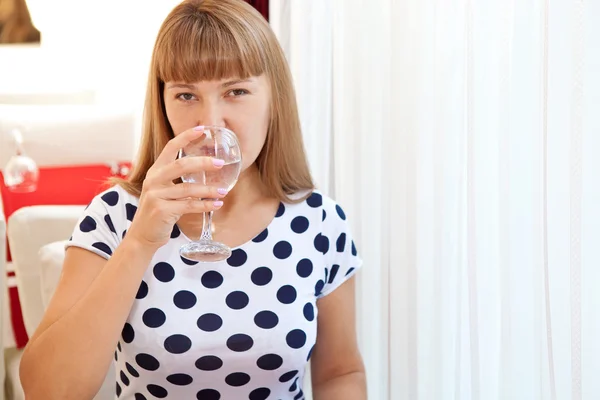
x=243 y=328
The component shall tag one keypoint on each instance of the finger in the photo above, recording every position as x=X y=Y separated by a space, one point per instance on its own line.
x=194 y=206
x=170 y=151
x=188 y=165
x=186 y=190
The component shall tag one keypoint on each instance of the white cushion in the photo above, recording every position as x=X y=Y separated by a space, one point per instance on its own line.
x=52 y=257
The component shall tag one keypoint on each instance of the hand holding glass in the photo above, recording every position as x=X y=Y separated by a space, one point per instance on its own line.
x=220 y=143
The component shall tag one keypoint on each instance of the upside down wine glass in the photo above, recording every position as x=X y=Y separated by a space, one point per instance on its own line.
x=221 y=143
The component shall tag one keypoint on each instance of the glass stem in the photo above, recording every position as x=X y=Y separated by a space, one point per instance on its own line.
x=206 y=226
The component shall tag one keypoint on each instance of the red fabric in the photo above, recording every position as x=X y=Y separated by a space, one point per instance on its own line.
x=75 y=185
x=262 y=6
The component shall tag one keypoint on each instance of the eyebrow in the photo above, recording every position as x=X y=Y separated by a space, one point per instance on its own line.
x=190 y=86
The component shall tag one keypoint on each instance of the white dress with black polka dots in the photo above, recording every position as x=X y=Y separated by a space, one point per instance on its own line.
x=243 y=328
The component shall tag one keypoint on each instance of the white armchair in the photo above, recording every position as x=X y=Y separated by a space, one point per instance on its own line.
x=37 y=236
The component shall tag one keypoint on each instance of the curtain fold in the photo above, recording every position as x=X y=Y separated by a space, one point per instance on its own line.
x=464 y=141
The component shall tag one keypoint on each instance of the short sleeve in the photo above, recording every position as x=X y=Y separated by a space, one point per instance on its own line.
x=342 y=260
x=96 y=229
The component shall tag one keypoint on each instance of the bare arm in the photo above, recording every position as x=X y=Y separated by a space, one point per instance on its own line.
x=81 y=327
x=338 y=372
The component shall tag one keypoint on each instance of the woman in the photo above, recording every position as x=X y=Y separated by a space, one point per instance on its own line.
x=243 y=328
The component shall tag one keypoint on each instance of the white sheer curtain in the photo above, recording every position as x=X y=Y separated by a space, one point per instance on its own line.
x=463 y=140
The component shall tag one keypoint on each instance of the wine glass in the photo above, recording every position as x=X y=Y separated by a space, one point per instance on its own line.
x=21 y=173
x=219 y=143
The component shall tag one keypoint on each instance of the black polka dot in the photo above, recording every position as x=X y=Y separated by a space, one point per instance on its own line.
x=109 y=223
x=262 y=276
x=287 y=294
x=130 y=209
x=315 y=200
x=139 y=396
x=178 y=344
x=351 y=270
x=299 y=396
x=157 y=391
x=266 y=320
x=111 y=198
x=240 y=343
x=208 y=394
x=310 y=354
x=282 y=250
x=142 y=291
x=209 y=363
x=119 y=346
x=237 y=379
x=184 y=299
x=319 y=287
x=180 y=379
x=103 y=247
x=116 y=356
x=237 y=300
x=175 y=232
x=340 y=212
x=132 y=370
x=124 y=378
x=296 y=339
x=304 y=268
x=299 y=224
x=118 y=389
x=187 y=261
x=269 y=362
x=353 y=249
x=322 y=243
x=288 y=376
x=124 y=233
x=164 y=272
x=324 y=215
x=212 y=279
x=280 y=210
x=260 y=394
x=128 y=333
x=294 y=386
x=210 y=322
x=309 y=312
x=261 y=236
x=340 y=243
x=147 y=362
x=334 y=270
x=88 y=224
x=153 y=318
x=326 y=274
x=237 y=258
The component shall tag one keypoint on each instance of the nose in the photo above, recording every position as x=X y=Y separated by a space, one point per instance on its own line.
x=211 y=114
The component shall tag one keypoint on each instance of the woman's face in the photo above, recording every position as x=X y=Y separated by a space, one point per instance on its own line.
x=242 y=106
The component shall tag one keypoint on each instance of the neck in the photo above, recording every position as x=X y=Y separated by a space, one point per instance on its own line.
x=247 y=191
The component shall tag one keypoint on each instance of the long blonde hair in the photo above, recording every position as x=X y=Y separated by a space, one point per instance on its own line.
x=218 y=39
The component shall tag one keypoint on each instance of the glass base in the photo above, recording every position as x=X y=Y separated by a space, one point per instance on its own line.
x=205 y=251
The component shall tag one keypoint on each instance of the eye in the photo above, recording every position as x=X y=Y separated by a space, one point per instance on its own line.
x=237 y=92
x=185 y=96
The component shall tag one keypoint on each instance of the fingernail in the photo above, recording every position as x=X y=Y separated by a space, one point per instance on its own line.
x=218 y=162
x=218 y=203
x=199 y=128
x=222 y=191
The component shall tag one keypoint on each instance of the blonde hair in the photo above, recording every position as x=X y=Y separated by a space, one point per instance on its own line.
x=218 y=39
